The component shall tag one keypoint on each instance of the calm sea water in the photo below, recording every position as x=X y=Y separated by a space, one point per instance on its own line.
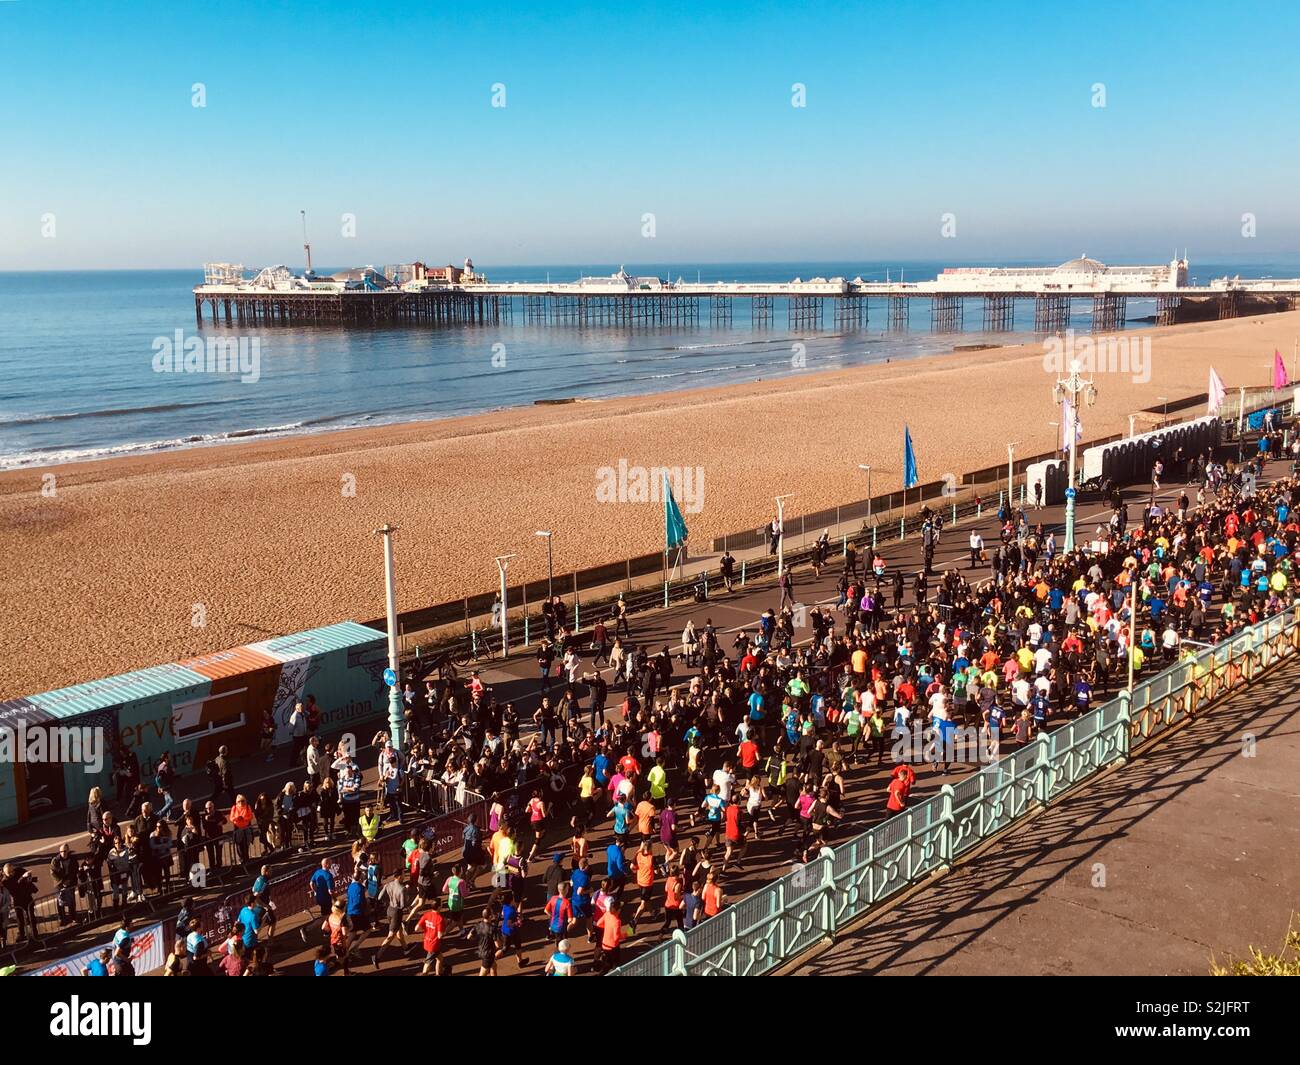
x=77 y=350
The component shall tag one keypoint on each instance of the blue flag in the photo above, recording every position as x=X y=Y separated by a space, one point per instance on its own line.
x=910 y=478
x=674 y=525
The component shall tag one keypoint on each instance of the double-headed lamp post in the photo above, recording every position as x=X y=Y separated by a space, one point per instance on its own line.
x=780 y=541
x=1073 y=388
x=550 y=569
x=396 y=715
x=503 y=563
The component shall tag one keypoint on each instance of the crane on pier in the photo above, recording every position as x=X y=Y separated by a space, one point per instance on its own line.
x=305 y=245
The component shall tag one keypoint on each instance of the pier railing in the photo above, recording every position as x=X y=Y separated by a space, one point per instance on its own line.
x=780 y=922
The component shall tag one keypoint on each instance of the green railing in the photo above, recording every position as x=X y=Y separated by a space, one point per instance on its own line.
x=778 y=923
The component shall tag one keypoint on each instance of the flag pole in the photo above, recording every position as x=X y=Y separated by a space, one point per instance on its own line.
x=665 y=485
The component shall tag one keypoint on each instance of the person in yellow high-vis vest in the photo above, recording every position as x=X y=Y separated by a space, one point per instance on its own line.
x=369 y=822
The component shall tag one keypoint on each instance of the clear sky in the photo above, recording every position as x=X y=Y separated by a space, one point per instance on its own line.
x=983 y=110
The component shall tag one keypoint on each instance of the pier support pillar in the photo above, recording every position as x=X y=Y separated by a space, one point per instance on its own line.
x=1051 y=313
x=899 y=308
x=999 y=313
x=1167 y=309
x=850 y=311
x=1108 y=312
x=946 y=314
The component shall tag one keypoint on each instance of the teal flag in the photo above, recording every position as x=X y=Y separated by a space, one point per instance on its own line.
x=910 y=478
x=674 y=525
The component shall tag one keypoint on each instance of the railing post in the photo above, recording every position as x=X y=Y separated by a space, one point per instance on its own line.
x=873 y=538
x=742 y=573
x=665 y=594
x=828 y=892
x=947 y=832
x=677 y=967
x=1043 y=770
x=902 y=528
x=1126 y=725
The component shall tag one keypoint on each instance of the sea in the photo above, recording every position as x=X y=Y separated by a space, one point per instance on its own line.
x=79 y=377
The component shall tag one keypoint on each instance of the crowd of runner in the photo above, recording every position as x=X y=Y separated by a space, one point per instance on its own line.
x=916 y=672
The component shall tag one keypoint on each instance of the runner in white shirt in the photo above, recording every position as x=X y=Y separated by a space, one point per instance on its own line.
x=725 y=779
x=1042 y=660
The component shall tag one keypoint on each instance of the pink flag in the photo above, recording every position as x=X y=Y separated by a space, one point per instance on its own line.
x=1280 y=379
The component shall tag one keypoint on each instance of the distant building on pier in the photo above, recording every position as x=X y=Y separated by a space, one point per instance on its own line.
x=1081 y=274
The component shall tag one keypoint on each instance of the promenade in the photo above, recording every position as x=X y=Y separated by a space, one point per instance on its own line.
x=1192 y=850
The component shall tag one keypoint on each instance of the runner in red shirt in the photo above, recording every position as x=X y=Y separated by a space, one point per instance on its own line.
x=735 y=836
x=430 y=923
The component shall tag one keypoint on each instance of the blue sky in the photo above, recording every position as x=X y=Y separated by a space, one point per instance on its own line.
x=683 y=111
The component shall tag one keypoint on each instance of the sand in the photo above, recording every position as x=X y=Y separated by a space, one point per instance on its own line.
x=114 y=570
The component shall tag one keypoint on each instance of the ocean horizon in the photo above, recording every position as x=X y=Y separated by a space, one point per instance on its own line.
x=77 y=356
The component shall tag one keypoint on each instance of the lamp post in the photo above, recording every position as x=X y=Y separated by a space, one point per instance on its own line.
x=1132 y=626
x=780 y=525
x=1072 y=388
x=1131 y=419
x=1165 y=416
x=396 y=716
x=1011 y=471
x=503 y=563
x=861 y=466
x=550 y=570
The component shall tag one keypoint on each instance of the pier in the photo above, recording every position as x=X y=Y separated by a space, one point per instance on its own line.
x=1045 y=296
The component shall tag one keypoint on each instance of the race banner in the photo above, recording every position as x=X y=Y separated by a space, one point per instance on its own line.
x=148 y=952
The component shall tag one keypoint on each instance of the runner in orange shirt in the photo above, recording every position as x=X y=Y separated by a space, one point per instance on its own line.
x=610 y=924
x=645 y=880
x=712 y=895
x=672 y=900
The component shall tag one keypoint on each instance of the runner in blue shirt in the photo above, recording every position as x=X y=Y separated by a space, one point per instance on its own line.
x=322 y=886
x=615 y=866
x=251 y=918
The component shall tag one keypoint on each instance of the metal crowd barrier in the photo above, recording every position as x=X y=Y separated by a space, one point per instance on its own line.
x=782 y=921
